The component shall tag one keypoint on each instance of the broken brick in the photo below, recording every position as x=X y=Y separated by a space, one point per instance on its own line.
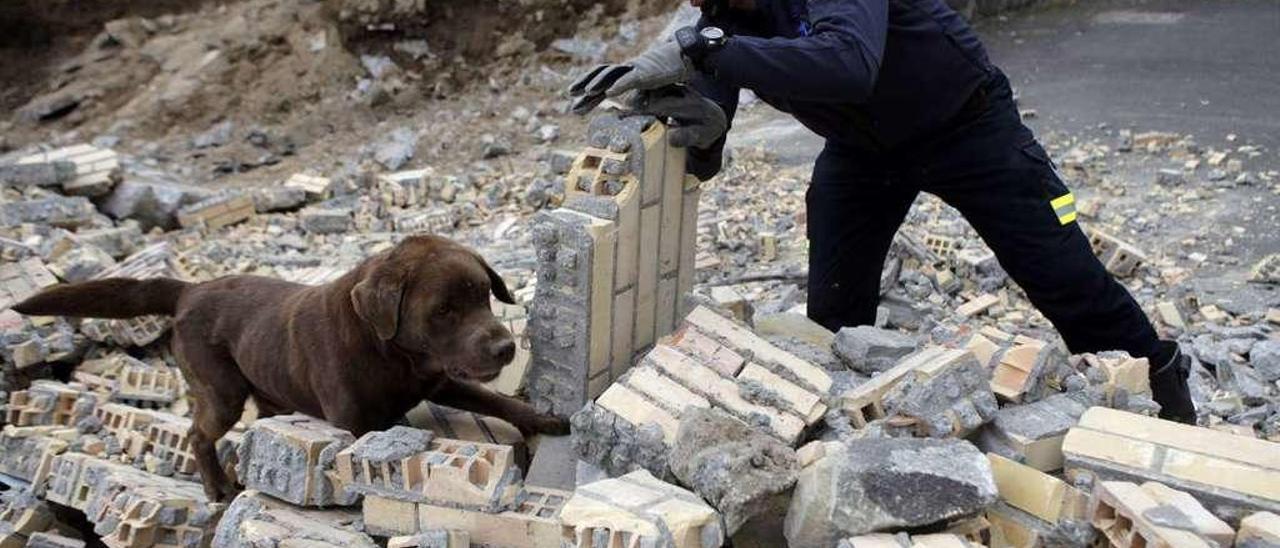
x=639 y=508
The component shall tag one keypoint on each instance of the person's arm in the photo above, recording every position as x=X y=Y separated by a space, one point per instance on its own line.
x=705 y=163
x=838 y=61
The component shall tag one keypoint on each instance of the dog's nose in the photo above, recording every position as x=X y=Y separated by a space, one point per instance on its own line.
x=503 y=350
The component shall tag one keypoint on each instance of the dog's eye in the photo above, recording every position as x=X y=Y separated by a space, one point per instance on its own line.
x=444 y=311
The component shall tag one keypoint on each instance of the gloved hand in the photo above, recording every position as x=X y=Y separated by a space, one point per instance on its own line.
x=698 y=121
x=661 y=66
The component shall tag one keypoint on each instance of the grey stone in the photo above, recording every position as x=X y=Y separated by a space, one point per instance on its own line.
x=872 y=485
x=118 y=242
x=152 y=201
x=37 y=174
x=391 y=445
x=952 y=403
x=1047 y=418
x=266 y=200
x=581 y=49
x=1265 y=359
x=742 y=472
x=216 y=136
x=59 y=211
x=52 y=540
x=871 y=350
x=396 y=149
x=81 y=263
x=1244 y=381
x=320 y=220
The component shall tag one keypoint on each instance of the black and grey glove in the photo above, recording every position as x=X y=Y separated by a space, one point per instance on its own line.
x=695 y=120
x=661 y=66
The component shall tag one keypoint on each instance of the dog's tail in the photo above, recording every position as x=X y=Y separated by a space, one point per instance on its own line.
x=115 y=298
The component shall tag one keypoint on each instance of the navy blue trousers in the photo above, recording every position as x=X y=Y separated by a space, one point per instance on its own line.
x=988 y=166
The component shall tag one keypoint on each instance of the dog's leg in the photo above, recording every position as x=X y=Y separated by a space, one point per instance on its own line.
x=220 y=392
x=476 y=398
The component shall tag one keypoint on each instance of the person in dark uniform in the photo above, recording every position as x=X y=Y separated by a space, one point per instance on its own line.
x=908 y=101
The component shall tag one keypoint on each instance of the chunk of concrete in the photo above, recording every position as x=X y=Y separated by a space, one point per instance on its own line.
x=152 y=201
x=871 y=350
x=870 y=485
x=641 y=508
x=289 y=457
x=1032 y=434
x=743 y=473
x=254 y=519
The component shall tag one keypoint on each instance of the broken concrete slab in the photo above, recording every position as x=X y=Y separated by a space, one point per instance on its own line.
x=97 y=170
x=871 y=350
x=1032 y=434
x=1155 y=515
x=1229 y=474
x=151 y=200
x=37 y=174
x=642 y=509
x=290 y=457
x=948 y=397
x=254 y=519
x=871 y=485
x=743 y=473
x=59 y=211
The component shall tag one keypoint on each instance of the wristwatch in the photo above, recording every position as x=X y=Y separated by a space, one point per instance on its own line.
x=697 y=44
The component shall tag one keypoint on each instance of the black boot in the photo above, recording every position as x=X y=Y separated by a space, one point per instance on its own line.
x=1169 y=384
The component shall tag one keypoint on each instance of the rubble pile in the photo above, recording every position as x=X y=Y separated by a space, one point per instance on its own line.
x=666 y=319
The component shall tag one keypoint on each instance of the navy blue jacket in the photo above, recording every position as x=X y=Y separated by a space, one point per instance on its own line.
x=871 y=74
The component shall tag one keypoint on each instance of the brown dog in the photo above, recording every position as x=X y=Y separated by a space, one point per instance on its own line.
x=409 y=324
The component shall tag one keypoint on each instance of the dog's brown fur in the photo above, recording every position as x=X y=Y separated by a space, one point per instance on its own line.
x=409 y=324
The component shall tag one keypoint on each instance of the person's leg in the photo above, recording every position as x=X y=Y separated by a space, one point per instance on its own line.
x=853 y=212
x=1002 y=181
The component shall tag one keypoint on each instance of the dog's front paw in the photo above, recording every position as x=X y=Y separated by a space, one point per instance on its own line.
x=550 y=425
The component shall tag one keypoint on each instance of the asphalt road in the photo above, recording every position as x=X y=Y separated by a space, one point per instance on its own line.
x=1209 y=68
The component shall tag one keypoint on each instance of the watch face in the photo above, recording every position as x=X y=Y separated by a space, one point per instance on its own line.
x=713 y=33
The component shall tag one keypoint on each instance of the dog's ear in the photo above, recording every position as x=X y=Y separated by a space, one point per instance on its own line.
x=377 y=298
x=496 y=285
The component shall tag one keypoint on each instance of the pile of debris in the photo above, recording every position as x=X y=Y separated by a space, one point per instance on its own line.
x=705 y=407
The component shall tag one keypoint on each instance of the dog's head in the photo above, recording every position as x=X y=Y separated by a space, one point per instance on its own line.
x=429 y=297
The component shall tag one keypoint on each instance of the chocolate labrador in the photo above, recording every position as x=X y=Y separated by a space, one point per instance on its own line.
x=409 y=324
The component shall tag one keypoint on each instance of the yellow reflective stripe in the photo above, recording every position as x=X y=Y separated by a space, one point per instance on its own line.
x=1065 y=199
x=1064 y=219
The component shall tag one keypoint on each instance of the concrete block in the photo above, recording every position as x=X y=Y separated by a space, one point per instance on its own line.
x=1227 y=473
x=978 y=305
x=1032 y=434
x=1132 y=516
x=52 y=173
x=1122 y=372
x=288 y=456
x=407 y=464
x=25 y=457
x=96 y=170
x=871 y=485
x=948 y=396
x=571 y=313
x=535 y=522
x=323 y=220
x=742 y=341
x=53 y=540
x=745 y=474
x=1039 y=494
x=1028 y=371
x=48 y=403
x=1120 y=257
x=269 y=200
x=447 y=422
x=316 y=188
x=403 y=188
x=438 y=538
x=609 y=261
x=254 y=519
x=68 y=212
x=871 y=350
x=155 y=261
x=639 y=508
x=22 y=279
x=1258 y=530
x=217 y=211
